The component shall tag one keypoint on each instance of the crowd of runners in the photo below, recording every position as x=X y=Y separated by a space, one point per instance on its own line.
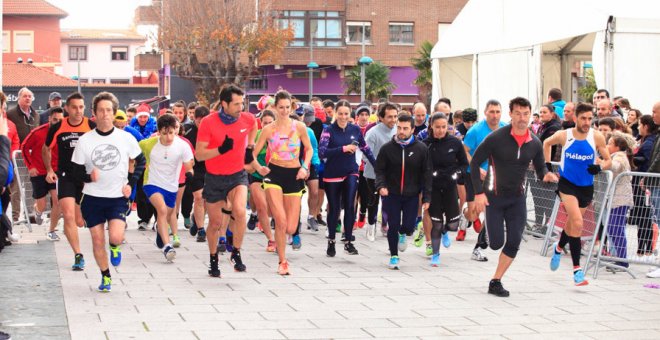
x=226 y=170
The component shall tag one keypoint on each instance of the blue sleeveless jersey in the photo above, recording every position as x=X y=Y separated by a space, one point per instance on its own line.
x=576 y=156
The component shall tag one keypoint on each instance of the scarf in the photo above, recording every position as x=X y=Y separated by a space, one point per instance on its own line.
x=226 y=118
x=405 y=142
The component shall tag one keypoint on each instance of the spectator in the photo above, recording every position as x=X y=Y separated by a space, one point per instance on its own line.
x=23 y=115
x=633 y=121
x=569 y=116
x=54 y=100
x=191 y=111
x=130 y=113
x=641 y=213
x=554 y=98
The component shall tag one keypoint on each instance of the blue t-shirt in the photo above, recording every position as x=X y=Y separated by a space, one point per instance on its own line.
x=475 y=136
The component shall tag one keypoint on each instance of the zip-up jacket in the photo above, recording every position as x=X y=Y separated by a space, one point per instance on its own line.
x=447 y=158
x=331 y=147
x=31 y=150
x=404 y=170
x=508 y=163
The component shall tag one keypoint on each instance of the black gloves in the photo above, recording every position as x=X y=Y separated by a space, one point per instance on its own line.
x=548 y=166
x=249 y=157
x=594 y=169
x=227 y=145
x=189 y=176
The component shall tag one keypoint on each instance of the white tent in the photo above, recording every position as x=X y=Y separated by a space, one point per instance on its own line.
x=500 y=49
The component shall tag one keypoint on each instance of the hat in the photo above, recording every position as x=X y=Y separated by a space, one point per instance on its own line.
x=307 y=113
x=264 y=101
x=120 y=116
x=362 y=107
x=143 y=110
x=54 y=95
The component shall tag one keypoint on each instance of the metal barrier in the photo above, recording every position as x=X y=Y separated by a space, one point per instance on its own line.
x=25 y=187
x=631 y=224
x=541 y=204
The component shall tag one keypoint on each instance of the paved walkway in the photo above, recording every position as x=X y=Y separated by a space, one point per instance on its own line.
x=341 y=297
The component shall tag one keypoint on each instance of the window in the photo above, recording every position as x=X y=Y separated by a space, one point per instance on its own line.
x=77 y=52
x=304 y=74
x=6 y=41
x=401 y=33
x=354 y=32
x=120 y=81
x=24 y=41
x=98 y=81
x=84 y=80
x=323 y=28
x=119 y=53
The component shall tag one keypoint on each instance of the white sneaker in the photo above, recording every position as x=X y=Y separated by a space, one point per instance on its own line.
x=371 y=232
x=655 y=274
x=52 y=236
x=478 y=255
x=14 y=237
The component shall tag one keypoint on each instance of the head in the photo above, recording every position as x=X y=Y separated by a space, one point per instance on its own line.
x=231 y=99
x=554 y=95
x=267 y=118
x=25 y=98
x=120 y=120
x=179 y=111
x=168 y=128
x=457 y=117
x=342 y=112
x=387 y=113
x=191 y=110
x=469 y=117
x=445 y=108
x=633 y=116
x=283 y=104
x=419 y=112
x=130 y=113
x=56 y=116
x=547 y=113
x=606 y=126
x=618 y=142
x=404 y=127
x=520 y=111
x=619 y=125
x=623 y=103
x=602 y=94
x=493 y=113
x=143 y=114
x=656 y=113
x=201 y=111
x=536 y=118
x=569 y=111
x=604 y=108
x=3 y=104
x=104 y=106
x=362 y=114
x=584 y=116
x=316 y=102
x=55 y=99
x=75 y=106
x=647 y=126
x=439 y=125
x=328 y=107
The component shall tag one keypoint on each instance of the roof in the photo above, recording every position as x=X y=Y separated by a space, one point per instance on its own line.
x=19 y=75
x=92 y=34
x=31 y=7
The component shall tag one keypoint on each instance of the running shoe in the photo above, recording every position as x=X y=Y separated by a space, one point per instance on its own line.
x=344 y=239
x=187 y=223
x=237 y=261
x=222 y=245
x=654 y=273
x=360 y=222
x=403 y=242
x=283 y=268
x=331 y=252
x=460 y=236
x=201 y=235
x=418 y=235
x=38 y=218
x=252 y=222
x=193 y=228
x=115 y=255
x=5 y=336
x=578 y=278
x=271 y=247
x=159 y=241
x=312 y=224
x=106 y=284
x=477 y=226
x=429 y=250
x=169 y=253
x=349 y=248
x=556 y=257
x=296 y=244
x=52 y=236
x=319 y=219
x=394 y=262
x=495 y=287
x=478 y=255
x=176 y=241
x=79 y=263
x=446 y=241
x=214 y=270
x=371 y=232
x=338 y=228
x=142 y=226
x=435 y=260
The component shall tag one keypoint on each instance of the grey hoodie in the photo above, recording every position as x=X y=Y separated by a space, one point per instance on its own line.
x=376 y=137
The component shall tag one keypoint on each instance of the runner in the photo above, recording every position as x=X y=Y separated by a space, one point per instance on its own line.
x=579 y=164
x=165 y=154
x=61 y=140
x=510 y=150
x=196 y=184
x=109 y=162
x=363 y=194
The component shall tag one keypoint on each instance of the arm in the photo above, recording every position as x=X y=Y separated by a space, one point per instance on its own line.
x=303 y=173
x=261 y=143
x=26 y=150
x=4 y=156
x=539 y=164
x=601 y=147
x=480 y=155
x=366 y=151
x=324 y=150
x=557 y=138
x=315 y=145
x=427 y=180
x=380 y=169
x=461 y=158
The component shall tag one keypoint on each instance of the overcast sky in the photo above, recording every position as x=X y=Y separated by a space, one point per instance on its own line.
x=117 y=14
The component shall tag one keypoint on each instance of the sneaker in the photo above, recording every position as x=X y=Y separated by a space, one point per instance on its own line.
x=478 y=255
x=52 y=236
x=477 y=226
x=319 y=219
x=106 y=284
x=403 y=244
x=5 y=336
x=349 y=248
x=460 y=236
x=556 y=257
x=429 y=250
x=446 y=241
x=142 y=226
x=237 y=261
x=312 y=224
x=344 y=239
x=214 y=270
x=331 y=252
x=418 y=235
x=79 y=264
x=176 y=241
x=435 y=260
x=296 y=244
x=38 y=218
x=361 y=221
x=578 y=278
x=338 y=228
x=495 y=287
x=222 y=245
x=193 y=228
x=159 y=241
x=371 y=232
x=169 y=253
x=271 y=247
x=394 y=262
x=153 y=226
x=654 y=274
x=283 y=268
x=201 y=235
x=252 y=222
x=187 y=223
x=115 y=255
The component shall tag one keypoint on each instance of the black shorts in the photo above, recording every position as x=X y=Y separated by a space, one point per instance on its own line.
x=197 y=182
x=584 y=195
x=217 y=187
x=313 y=174
x=444 y=205
x=284 y=179
x=253 y=179
x=98 y=210
x=40 y=187
x=68 y=188
x=469 y=190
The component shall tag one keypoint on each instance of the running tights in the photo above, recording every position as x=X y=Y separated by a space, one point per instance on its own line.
x=341 y=195
x=401 y=213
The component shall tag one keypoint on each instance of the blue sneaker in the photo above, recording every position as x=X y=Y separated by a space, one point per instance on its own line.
x=297 y=244
x=446 y=241
x=403 y=244
x=106 y=284
x=435 y=260
x=159 y=241
x=79 y=263
x=115 y=255
x=169 y=253
x=229 y=233
x=578 y=278
x=222 y=245
x=230 y=242
x=556 y=257
x=394 y=262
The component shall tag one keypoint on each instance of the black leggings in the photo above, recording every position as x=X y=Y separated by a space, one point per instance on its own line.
x=372 y=203
x=187 y=201
x=341 y=195
x=513 y=211
x=401 y=213
x=364 y=197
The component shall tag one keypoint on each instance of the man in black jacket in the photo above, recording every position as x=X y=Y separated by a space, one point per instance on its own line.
x=402 y=173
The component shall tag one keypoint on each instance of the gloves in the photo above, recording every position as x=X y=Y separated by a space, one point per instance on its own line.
x=594 y=169
x=227 y=145
x=189 y=176
x=249 y=157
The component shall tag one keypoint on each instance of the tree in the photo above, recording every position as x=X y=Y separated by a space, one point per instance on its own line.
x=216 y=42
x=422 y=63
x=377 y=81
x=587 y=91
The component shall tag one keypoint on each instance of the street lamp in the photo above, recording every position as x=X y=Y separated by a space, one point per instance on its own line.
x=363 y=62
x=311 y=66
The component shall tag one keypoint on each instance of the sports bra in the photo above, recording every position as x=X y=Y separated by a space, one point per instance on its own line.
x=284 y=148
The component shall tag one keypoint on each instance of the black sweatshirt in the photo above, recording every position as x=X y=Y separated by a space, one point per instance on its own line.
x=404 y=170
x=507 y=161
x=447 y=158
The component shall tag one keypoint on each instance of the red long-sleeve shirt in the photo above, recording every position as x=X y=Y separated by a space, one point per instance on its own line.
x=12 y=134
x=31 y=150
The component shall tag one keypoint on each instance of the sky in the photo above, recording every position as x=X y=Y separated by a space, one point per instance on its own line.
x=105 y=14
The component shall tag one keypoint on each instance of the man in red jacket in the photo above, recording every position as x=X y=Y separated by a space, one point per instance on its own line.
x=31 y=151
x=15 y=195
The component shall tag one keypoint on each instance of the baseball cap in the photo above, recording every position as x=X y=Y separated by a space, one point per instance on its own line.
x=120 y=116
x=54 y=95
x=307 y=113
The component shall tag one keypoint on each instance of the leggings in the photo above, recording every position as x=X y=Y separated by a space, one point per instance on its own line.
x=513 y=211
x=341 y=195
x=364 y=197
x=616 y=231
x=395 y=206
x=187 y=201
x=144 y=208
x=372 y=203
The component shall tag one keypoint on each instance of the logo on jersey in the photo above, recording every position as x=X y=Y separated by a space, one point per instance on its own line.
x=579 y=157
x=243 y=130
x=410 y=154
x=106 y=157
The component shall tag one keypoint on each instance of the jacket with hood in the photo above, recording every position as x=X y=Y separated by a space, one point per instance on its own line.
x=447 y=158
x=148 y=129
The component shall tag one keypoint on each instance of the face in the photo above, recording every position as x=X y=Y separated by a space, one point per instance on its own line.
x=583 y=121
x=569 y=111
x=493 y=114
x=167 y=135
x=536 y=119
x=119 y=124
x=403 y=130
x=329 y=111
x=75 y=108
x=26 y=99
x=643 y=130
x=598 y=96
x=129 y=115
x=545 y=114
x=343 y=115
x=632 y=116
x=420 y=115
x=604 y=129
x=104 y=113
x=235 y=106
x=316 y=103
x=440 y=128
x=363 y=118
x=520 y=116
x=55 y=118
x=266 y=120
x=603 y=108
x=390 y=118
x=191 y=114
x=180 y=113
x=458 y=121
x=142 y=119
x=57 y=102
x=283 y=108
x=656 y=113
x=611 y=147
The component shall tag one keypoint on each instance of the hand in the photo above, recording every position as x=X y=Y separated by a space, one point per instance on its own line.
x=263 y=171
x=593 y=169
x=302 y=174
x=3 y=125
x=227 y=145
x=189 y=176
x=425 y=206
x=483 y=173
x=126 y=191
x=480 y=203
x=33 y=172
x=51 y=177
x=383 y=192
x=550 y=177
x=350 y=148
x=94 y=175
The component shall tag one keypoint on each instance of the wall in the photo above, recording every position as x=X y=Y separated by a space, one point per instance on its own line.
x=99 y=64
x=46 y=39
